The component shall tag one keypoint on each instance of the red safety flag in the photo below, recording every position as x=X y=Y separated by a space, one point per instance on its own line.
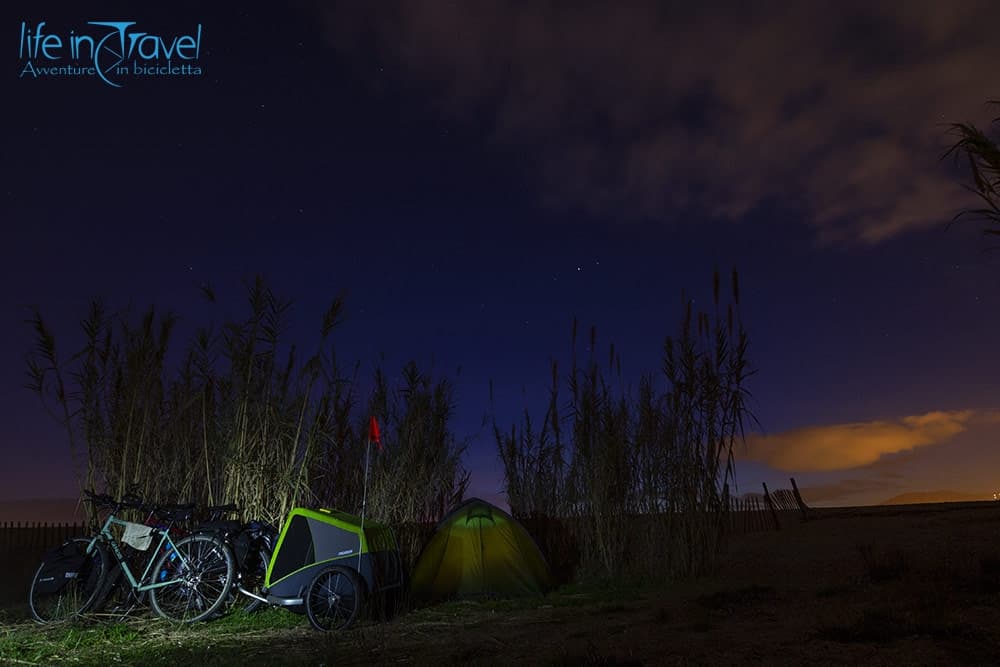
x=373 y=434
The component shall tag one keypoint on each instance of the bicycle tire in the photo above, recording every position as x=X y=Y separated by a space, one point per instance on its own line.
x=334 y=598
x=82 y=593
x=203 y=584
x=252 y=579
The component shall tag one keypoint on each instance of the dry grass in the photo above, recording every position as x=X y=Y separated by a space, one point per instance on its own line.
x=603 y=455
x=242 y=416
x=981 y=153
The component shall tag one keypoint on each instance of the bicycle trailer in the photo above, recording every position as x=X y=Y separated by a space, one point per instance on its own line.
x=316 y=544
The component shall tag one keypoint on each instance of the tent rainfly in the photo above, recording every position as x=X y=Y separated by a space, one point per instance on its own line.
x=478 y=550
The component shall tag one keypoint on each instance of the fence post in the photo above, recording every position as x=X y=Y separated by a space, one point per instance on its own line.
x=770 y=504
x=798 y=499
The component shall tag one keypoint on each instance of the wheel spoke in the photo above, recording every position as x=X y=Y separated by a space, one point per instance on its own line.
x=333 y=600
x=203 y=583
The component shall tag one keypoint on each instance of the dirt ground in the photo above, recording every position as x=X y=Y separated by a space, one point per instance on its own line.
x=916 y=585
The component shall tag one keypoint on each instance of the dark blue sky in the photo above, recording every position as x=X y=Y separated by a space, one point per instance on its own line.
x=469 y=200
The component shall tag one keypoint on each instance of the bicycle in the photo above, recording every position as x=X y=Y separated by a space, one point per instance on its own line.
x=252 y=544
x=187 y=580
x=119 y=597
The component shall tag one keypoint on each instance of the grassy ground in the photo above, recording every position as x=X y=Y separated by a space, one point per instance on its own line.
x=280 y=637
x=886 y=587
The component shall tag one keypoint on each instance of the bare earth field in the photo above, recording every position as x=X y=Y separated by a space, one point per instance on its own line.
x=898 y=585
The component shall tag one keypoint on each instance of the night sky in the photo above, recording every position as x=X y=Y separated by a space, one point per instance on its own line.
x=472 y=176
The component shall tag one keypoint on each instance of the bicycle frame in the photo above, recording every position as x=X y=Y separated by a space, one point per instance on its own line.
x=108 y=537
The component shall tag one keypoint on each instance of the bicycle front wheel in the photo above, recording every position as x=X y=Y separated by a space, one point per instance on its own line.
x=68 y=582
x=200 y=571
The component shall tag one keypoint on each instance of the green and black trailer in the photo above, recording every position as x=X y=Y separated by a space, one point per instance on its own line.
x=328 y=563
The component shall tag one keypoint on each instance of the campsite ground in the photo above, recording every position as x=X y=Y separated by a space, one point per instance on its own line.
x=916 y=585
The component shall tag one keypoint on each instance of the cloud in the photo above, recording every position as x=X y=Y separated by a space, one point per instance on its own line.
x=845 y=446
x=651 y=110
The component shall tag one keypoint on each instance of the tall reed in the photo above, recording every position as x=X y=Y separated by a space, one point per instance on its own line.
x=643 y=481
x=242 y=416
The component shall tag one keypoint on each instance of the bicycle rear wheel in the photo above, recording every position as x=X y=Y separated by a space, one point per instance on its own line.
x=251 y=578
x=201 y=569
x=69 y=582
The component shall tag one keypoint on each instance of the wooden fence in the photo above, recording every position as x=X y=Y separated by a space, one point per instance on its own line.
x=749 y=514
x=754 y=512
x=22 y=544
x=32 y=535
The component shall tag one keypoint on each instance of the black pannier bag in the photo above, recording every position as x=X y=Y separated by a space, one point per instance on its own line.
x=247 y=544
x=241 y=544
x=59 y=567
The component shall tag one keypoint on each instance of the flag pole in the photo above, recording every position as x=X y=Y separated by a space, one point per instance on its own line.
x=373 y=434
x=364 y=499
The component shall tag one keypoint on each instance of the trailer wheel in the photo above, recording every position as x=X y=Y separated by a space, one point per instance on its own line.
x=334 y=598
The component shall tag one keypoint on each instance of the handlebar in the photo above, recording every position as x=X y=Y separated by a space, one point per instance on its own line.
x=217 y=512
x=168 y=512
x=164 y=511
x=105 y=501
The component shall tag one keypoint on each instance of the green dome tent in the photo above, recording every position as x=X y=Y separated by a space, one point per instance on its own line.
x=479 y=550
